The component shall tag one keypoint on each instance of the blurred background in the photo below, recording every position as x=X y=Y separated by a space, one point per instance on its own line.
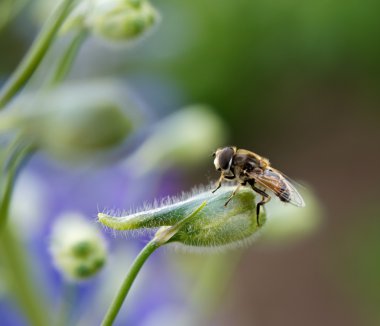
x=295 y=81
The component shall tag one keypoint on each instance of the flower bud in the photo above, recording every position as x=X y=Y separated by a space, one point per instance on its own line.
x=287 y=223
x=184 y=138
x=197 y=224
x=120 y=20
x=77 y=247
x=75 y=120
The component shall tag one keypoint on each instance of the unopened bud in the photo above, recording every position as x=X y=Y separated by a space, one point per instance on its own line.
x=77 y=247
x=184 y=138
x=211 y=224
x=288 y=223
x=120 y=20
x=75 y=120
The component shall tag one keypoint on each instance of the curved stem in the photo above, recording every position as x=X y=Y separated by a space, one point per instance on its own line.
x=116 y=304
x=67 y=60
x=9 y=152
x=18 y=272
x=36 y=53
x=9 y=183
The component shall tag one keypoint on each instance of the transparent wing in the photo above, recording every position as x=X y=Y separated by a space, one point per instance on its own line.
x=279 y=185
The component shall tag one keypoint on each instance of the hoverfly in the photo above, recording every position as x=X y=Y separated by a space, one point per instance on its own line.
x=247 y=167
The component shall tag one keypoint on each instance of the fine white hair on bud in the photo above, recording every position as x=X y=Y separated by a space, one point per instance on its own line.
x=77 y=247
x=201 y=221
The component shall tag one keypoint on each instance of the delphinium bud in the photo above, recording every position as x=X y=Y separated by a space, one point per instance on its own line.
x=288 y=223
x=120 y=20
x=182 y=139
x=77 y=247
x=74 y=120
x=113 y=20
x=215 y=226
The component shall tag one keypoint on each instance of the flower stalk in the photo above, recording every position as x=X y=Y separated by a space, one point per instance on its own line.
x=66 y=61
x=128 y=281
x=19 y=278
x=6 y=195
x=36 y=53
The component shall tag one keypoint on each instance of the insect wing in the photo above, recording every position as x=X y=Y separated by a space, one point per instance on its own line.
x=281 y=187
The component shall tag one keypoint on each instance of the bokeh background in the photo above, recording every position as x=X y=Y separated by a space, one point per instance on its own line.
x=295 y=81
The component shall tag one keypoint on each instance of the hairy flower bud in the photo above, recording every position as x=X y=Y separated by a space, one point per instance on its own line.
x=77 y=247
x=211 y=226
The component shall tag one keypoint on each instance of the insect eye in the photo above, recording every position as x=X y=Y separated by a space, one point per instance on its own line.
x=213 y=154
x=219 y=169
x=225 y=158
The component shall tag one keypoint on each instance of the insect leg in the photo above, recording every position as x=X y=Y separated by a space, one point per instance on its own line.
x=219 y=184
x=263 y=201
x=259 y=191
x=233 y=194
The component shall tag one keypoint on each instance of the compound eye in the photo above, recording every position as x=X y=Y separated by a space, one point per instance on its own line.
x=219 y=169
x=225 y=158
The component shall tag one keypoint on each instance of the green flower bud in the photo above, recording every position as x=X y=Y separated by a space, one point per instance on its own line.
x=195 y=224
x=182 y=139
x=77 y=247
x=287 y=223
x=120 y=20
x=75 y=120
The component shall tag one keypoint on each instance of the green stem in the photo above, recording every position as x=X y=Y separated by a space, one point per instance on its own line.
x=20 y=281
x=67 y=60
x=9 y=152
x=9 y=183
x=36 y=53
x=163 y=235
x=116 y=304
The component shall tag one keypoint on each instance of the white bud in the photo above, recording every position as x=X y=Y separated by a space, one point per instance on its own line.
x=77 y=247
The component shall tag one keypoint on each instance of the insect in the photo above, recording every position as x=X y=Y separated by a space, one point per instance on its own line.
x=247 y=167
